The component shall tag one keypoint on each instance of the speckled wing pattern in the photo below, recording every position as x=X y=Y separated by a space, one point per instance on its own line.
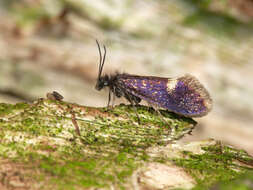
x=183 y=95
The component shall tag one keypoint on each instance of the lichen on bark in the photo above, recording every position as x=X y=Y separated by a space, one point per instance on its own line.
x=113 y=149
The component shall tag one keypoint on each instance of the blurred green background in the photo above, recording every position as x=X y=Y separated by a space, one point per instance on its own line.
x=50 y=45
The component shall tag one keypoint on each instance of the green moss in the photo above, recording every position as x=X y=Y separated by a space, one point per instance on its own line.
x=243 y=182
x=114 y=145
x=5 y=108
x=111 y=147
x=80 y=170
x=21 y=106
x=216 y=164
x=219 y=24
x=215 y=23
x=9 y=109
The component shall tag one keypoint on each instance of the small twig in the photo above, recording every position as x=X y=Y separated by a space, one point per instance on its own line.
x=73 y=118
x=58 y=97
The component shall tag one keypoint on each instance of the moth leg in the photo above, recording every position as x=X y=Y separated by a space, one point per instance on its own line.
x=135 y=110
x=109 y=99
x=136 y=113
x=115 y=92
x=134 y=100
x=118 y=92
x=113 y=99
x=159 y=113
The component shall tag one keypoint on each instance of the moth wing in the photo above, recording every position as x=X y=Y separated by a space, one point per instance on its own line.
x=184 y=95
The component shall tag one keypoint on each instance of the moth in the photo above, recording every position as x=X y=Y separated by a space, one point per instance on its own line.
x=183 y=95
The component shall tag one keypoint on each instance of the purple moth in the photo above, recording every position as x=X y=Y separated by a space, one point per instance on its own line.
x=183 y=95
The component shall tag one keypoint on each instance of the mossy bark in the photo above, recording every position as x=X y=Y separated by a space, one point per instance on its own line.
x=41 y=145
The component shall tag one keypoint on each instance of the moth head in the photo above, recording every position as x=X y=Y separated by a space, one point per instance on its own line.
x=102 y=81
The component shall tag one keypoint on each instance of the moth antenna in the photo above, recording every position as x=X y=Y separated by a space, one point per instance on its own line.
x=103 y=61
x=100 y=60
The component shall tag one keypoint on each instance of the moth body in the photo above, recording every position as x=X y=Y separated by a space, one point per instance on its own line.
x=183 y=95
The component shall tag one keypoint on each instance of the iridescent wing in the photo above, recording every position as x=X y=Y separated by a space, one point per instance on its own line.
x=184 y=95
